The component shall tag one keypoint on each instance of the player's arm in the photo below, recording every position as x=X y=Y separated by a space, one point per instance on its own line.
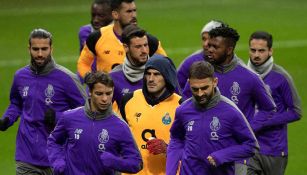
x=176 y=144
x=130 y=160
x=246 y=146
x=292 y=103
x=55 y=146
x=14 y=109
x=265 y=105
x=88 y=54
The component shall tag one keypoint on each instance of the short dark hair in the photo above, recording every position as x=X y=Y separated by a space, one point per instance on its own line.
x=115 y=4
x=98 y=77
x=40 y=33
x=227 y=32
x=264 y=36
x=131 y=31
x=201 y=70
x=102 y=2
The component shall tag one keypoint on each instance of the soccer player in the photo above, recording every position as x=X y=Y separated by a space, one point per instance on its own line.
x=150 y=112
x=209 y=132
x=273 y=140
x=128 y=76
x=39 y=90
x=106 y=43
x=236 y=82
x=101 y=16
x=183 y=69
x=92 y=139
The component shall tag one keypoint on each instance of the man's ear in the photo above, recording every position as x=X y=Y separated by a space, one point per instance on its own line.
x=215 y=82
x=126 y=47
x=271 y=52
x=115 y=15
x=230 y=50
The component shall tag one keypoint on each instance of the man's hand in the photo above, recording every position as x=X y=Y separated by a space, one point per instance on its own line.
x=211 y=161
x=4 y=123
x=59 y=167
x=156 y=146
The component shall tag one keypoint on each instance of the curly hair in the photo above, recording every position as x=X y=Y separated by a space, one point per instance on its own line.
x=230 y=34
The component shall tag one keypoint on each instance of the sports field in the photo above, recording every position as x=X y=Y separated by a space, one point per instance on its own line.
x=177 y=23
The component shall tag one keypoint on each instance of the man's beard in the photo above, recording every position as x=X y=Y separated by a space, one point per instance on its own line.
x=218 y=61
x=123 y=25
x=207 y=97
x=46 y=61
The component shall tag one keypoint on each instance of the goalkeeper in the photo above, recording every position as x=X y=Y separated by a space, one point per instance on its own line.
x=150 y=112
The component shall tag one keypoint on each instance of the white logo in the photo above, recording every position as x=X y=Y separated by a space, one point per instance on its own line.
x=125 y=91
x=235 y=91
x=78 y=133
x=49 y=93
x=215 y=125
x=25 y=91
x=190 y=125
x=103 y=138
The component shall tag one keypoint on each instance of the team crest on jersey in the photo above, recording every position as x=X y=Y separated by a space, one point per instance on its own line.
x=77 y=133
x=103 y=138
x=190 y=125
x=25 y=91
x=235 y=91
x=215 y=125
x=49 y=93
x=166 y=119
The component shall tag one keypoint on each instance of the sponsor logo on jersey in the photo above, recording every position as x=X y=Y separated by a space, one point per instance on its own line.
x=147 y=134
x=215 y=125
x=166 y=119
x=103 y=138
x=49 y=93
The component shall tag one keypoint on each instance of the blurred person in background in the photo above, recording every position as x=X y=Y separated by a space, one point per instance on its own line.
x=106 y=44
x=101 y=16
x=183 y=69
x=128 y=76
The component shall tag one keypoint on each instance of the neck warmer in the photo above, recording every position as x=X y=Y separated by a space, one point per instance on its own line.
x=227 y=67
x=43 y=70
x=133 y=73
x=262 y=69
x=97 y=115
x=154 y=101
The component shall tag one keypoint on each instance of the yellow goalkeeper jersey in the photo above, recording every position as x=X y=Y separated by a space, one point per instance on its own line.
x=108 y=50
x=147 y=121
